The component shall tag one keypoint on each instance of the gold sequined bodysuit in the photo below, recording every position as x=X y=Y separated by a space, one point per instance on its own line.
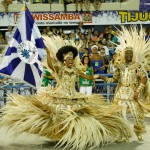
x=129 y=77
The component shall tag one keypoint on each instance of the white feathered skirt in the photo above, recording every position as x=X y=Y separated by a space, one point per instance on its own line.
x=74 y=123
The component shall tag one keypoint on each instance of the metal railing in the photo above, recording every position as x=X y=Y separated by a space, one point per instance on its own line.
x=105 y=89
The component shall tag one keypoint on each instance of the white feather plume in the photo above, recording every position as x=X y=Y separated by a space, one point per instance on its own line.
x=135 y=38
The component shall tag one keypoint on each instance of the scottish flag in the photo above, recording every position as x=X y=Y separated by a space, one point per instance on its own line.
x=25 y=51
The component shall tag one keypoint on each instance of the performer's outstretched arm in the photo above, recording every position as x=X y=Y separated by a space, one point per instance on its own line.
x=50 y=62
x=115 y=77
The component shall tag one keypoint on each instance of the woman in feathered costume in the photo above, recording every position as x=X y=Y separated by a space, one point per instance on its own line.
x=62 y=114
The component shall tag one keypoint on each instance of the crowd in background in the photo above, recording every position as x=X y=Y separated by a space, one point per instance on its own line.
x=101 y=47
x=85 y=3
x=97 y=53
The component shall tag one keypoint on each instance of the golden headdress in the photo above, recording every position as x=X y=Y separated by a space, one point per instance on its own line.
x=69 y=54
x=134 y=38
x=54 y=43
x=128 y=48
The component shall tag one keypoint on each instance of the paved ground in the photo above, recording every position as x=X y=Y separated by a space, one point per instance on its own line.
x=33 y=143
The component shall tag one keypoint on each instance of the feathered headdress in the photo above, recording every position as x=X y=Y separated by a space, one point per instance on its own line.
x=135 y=38
x=53 y=44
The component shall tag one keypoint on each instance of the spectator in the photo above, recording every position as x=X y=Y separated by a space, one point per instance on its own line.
x=100 y=36
x=109 y=40
x=83 y=51
x=110 y=30
x=44 y=32
x=66 y=2
x=95 y=37
x=111 y=66
x=105 y=60
x=87 y=5
x=8 y=34
x=96 y=60
x=86 y=51
x=2 y=40
x=80 y=26
x=47 y=77
x=77 y=34
x=5 y=4
x=60 y=32
x=72 y=37
x=89 y=32
x=66 y=37
x=82 y=37
x=54 y=31
x=90 y=44
x=96 y=4
x=49 y=33
x=81 y=5
x=86 y=85
x=115 y=38
x=101 y=45
x=104 y=41
x=105 y=30
x=88 y=37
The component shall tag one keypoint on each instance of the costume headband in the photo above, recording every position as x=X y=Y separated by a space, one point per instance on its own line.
x=129 y=48
x=69 y=54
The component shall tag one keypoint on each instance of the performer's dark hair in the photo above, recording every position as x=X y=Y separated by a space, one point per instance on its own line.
x=64 y=50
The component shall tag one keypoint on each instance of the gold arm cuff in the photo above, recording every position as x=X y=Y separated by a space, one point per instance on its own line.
x=109 y=79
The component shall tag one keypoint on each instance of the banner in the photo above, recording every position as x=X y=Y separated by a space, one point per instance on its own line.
x=72 y=18
x=25 y=50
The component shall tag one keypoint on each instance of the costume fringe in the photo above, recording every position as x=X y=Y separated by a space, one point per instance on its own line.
x=87 y=126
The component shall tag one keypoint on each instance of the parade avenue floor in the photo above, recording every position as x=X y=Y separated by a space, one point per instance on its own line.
x=36 y=144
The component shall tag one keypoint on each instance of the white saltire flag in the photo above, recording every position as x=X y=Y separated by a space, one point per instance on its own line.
x=25 y=51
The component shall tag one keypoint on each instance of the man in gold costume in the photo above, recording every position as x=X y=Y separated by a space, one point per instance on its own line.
x=131 y=80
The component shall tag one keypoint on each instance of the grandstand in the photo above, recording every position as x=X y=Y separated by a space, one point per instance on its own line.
x=53 y=7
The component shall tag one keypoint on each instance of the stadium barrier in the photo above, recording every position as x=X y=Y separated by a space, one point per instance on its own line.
x=105 y=89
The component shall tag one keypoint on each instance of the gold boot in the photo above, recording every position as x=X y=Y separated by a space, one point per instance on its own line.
x=122 y=140
x=139 y=136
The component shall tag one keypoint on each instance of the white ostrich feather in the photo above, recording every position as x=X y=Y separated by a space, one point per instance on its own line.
x=54 y=43
x=141 y=48
x=78 y=126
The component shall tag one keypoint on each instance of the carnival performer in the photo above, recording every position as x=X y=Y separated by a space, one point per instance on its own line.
x=132 y=91
x=62 y=114
x=131 y=82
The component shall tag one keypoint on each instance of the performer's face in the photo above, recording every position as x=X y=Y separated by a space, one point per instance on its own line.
x=69 y=62
x=128 y=55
